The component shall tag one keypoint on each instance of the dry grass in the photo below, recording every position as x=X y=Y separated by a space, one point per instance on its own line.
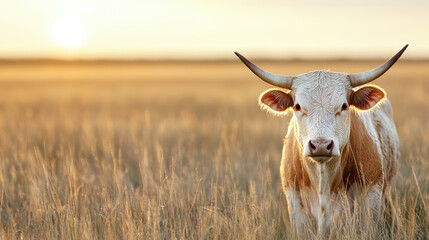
x=166 y=151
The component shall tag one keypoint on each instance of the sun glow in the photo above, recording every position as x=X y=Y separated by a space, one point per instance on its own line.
x=68 y=33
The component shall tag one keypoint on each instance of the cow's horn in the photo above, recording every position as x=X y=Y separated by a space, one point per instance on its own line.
x=283 y=81
x=357 y=79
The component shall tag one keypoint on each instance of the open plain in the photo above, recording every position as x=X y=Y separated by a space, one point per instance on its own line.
x=166 y=150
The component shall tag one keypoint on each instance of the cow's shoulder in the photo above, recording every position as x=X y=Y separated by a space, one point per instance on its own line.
x=380 y=123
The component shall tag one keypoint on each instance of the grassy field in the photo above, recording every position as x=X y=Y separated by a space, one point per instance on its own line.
x=175 y=151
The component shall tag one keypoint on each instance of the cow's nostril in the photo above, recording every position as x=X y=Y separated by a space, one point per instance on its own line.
x=312 y=147
x=330 y=146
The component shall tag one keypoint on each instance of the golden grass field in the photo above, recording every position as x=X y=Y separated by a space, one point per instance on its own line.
x=176 y=151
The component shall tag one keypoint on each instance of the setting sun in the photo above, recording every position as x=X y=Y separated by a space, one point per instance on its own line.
x=68 y=33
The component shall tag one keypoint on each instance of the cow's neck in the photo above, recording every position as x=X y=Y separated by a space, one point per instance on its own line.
x=322 y=176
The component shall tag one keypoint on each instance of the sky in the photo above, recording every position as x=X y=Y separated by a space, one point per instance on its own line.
x=202 y=29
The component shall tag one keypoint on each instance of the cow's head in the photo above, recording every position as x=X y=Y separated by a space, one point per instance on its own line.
x=320 y=101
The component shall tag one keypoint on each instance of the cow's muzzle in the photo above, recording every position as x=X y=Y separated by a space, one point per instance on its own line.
x=321 y=148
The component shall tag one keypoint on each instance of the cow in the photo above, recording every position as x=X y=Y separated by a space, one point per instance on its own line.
x=341 y=141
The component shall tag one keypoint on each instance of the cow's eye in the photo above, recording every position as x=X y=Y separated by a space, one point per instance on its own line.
x=297 y=107
x=344 y=107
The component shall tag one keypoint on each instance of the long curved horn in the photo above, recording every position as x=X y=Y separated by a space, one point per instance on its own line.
x=283 y=81
x=357 y=79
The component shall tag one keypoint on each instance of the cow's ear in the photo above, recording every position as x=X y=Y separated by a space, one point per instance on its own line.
x=366 y=97
x=275 y=101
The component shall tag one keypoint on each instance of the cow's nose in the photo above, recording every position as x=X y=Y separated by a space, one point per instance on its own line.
x=321 y=148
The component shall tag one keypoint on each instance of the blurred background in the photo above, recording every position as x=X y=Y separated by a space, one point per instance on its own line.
x=134 y=119
x=189 y=29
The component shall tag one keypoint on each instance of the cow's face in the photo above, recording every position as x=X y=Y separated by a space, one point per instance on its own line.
x=320 y=102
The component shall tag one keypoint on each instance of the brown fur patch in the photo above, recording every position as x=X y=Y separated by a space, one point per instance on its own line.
x=291 y=170
x=360 y=160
